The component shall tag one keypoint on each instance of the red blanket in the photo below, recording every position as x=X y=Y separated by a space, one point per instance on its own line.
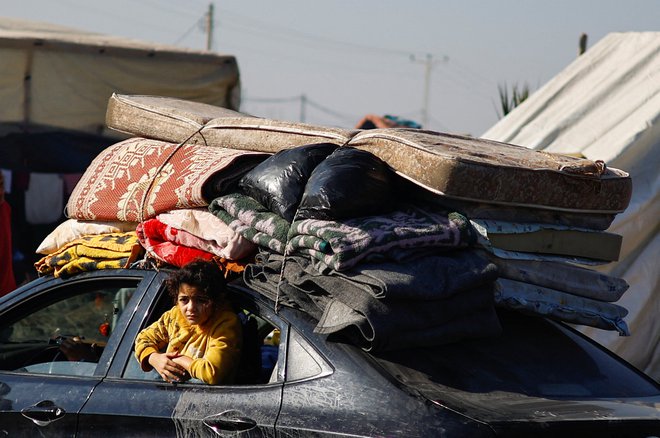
x=157 y=239
x=138 y=178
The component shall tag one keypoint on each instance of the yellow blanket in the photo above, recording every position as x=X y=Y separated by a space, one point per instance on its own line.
x=92 y=252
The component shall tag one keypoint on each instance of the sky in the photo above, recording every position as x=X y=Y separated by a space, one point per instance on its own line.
x=440 y=63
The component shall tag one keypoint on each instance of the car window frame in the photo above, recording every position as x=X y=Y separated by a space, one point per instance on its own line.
x=147 y=314
x=300 y=330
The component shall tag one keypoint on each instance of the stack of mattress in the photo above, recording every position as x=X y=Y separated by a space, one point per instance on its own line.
x=541 y=218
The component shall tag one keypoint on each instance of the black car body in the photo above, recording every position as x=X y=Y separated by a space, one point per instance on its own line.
x=539 y=378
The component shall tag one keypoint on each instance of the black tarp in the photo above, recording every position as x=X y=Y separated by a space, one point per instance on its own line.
x=51 y=151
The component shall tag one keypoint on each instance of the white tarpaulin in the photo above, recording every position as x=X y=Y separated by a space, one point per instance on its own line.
x=63 y=78
x=606 y=106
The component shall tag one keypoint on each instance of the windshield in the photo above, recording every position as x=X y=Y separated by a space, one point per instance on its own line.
x=533 y=357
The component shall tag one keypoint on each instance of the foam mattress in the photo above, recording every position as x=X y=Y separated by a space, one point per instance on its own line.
x=176 y=121
x=453 y=166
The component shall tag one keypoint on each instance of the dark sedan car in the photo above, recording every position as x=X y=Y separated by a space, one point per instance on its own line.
x=539 y=378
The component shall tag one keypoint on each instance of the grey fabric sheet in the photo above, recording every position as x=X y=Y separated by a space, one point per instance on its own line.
x=480 y=323
x=391 y=318
x=430 y=277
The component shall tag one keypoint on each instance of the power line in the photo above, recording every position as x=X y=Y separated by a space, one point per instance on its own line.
x=359 y=66
x=272 y=99
x=92 y=9
x=304 y=101
x=196 y=24
x=463 y=82
x=333 y=113
x=455 y=72
x=428 y=65
x=305 y=36
x=464 y=70
x=163 y=6
x=258 y=27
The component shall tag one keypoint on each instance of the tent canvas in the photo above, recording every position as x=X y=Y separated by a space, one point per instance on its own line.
x=605 y=105
x=55 y=83
x=60 y=77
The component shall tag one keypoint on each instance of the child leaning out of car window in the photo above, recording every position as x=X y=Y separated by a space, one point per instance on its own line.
x=200 y=337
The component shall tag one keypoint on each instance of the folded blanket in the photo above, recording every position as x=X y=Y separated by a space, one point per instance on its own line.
x=161 y=241
x=479 y=323
x=342 y=305
x=264 y=277
x=73 y=229
x=102 y=251
x=138 y=178
x=341 y=245
x=225 y=243
x=564 y=277
x=252 y=220
x=428 y=277
x=384 y=317
x=201 y=223
x=555 y=304
x=386 y=314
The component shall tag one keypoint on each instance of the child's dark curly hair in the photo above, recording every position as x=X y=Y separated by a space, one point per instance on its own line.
x=204 y=275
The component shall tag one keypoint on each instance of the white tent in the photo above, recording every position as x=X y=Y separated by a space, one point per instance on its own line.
x=606 y=106
x=59 y=77
x=55 y=84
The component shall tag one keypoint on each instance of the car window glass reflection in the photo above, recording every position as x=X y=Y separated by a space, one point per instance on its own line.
x=63 y=331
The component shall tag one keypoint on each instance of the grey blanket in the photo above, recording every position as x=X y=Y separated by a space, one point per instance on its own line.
x=479 y=323
x=457 y=302
x=426 y=277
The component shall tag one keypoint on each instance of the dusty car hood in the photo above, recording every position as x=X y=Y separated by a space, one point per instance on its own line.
x=515 y=415
x=503 y=406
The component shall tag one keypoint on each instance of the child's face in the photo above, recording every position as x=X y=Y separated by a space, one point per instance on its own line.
x=195 y=306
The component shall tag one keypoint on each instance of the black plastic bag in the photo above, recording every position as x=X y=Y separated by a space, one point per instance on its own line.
x=348 y=183
x=278 y=182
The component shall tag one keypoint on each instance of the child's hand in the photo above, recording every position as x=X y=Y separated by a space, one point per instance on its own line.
x=169 y=370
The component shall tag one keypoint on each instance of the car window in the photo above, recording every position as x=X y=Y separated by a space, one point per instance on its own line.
x=303 y=361
x=261 y=343
x=33 y=335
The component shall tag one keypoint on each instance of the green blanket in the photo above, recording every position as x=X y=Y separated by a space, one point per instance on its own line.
x=252 y=220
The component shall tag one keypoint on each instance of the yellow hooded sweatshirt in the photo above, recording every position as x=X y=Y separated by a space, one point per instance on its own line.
x=214 y=346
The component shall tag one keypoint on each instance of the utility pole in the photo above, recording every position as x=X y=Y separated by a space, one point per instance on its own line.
x=209 y=28
x=427 y=90
x=428 y=65
x=303 y=104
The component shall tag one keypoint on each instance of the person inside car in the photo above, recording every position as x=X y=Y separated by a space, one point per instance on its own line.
x=200 y=337
x=75 y=349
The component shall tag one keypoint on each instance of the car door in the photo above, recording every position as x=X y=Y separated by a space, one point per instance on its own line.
x=41 y=390
x=130 y=402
